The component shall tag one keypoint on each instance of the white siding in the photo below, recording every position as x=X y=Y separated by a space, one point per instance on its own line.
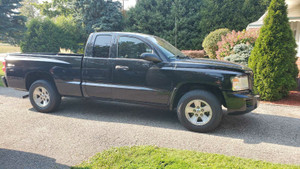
x=295 y=26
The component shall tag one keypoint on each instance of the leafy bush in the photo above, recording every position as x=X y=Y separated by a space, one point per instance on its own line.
x=45 y=35
x=210 y=42
x=273 y=58
x=225 y=46
x=194 y=53
x=41 y=36
x=298 y=65
x=241 y=54
x=71 y=34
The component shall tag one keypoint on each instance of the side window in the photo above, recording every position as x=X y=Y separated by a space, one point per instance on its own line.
x=132 y=48
x=101 y=46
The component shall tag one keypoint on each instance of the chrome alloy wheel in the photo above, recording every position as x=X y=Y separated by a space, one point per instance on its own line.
x=198 y=112
x=41 y=96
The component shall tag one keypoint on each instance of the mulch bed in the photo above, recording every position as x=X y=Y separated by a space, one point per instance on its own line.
x=293 y=99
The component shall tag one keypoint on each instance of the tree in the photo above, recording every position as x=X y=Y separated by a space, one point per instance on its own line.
x=28 y=10
x=55 y=8
x=174 y=21
x=231 y=14
x=12 y=25
x=98 y=15
x=273 y=58
x=41 y=36
x=186 y=23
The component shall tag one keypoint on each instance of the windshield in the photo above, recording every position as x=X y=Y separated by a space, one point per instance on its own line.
x=169 y=50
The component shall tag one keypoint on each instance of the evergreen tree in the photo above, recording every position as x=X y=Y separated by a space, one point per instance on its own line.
x=231 y=14
x=98 y=15
x=186 y=23
x=173 y=20
x=273 y=57
x=11 y=23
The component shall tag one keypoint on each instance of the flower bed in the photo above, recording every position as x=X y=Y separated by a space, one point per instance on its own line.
x=292 y=100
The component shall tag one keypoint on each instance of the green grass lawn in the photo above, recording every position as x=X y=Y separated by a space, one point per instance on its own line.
x=1 y=73
x=154 y=157
x=5 y=48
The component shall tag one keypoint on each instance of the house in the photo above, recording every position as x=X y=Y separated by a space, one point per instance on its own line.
x=294 y=19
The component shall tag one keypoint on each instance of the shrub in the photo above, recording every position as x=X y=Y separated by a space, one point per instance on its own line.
x=194 y=53
x=225 y=46
x=241 y=54
x=273 y=58
x=45 y=35
x=41 y=36
x=210 y=42
x=71 y=34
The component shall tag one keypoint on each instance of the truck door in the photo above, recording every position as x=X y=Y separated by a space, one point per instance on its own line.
x=97 y=69
x=133 y=76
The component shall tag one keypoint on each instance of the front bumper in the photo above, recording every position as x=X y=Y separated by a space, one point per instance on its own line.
x=238 y=103
x=4 y=82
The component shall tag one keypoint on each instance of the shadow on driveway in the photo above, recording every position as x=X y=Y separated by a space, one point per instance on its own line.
x=253 y=128
x=18 y=159
x=9 y=92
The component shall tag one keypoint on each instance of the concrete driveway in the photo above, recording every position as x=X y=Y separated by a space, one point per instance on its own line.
x=81 y=128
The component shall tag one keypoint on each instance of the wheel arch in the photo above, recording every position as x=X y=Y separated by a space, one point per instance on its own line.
x=34 y=76
x=180 y=90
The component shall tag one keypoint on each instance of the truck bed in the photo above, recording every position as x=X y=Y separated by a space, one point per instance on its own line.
x=64 y=68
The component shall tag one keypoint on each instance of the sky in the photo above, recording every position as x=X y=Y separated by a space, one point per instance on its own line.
x=128 y=3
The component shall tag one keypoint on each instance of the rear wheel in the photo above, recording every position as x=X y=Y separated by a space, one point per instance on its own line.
x=44 y=96
x=199 y=111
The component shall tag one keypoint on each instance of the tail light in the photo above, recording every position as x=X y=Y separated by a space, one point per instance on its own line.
x=4 y=66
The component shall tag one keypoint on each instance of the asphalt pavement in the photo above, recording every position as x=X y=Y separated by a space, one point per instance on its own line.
x=82 y=128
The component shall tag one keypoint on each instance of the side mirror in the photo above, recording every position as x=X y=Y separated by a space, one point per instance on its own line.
x=151 y=57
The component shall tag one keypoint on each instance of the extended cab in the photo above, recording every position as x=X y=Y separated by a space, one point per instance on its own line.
x=135 y=68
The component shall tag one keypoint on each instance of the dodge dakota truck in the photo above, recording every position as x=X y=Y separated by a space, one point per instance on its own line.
x=136 y=68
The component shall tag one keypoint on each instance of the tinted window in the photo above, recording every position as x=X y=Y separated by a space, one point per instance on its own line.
x=101 y=46
x=132 y=48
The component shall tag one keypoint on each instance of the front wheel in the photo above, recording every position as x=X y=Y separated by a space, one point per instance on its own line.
x=200 y=111
x=44 y=96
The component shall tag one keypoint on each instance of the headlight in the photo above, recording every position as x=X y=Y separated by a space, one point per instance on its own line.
x=240 y=83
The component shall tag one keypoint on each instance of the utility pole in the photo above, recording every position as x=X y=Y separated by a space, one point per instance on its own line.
x=176 y=31
x=176 y=26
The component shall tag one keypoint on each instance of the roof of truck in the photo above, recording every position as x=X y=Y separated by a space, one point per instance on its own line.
x=126 y=33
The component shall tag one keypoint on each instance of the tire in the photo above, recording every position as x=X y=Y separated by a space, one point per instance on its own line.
x=44 y=97
x=199 y=111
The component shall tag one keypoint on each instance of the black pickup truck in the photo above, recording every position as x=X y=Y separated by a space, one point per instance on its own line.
x=136 y=68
